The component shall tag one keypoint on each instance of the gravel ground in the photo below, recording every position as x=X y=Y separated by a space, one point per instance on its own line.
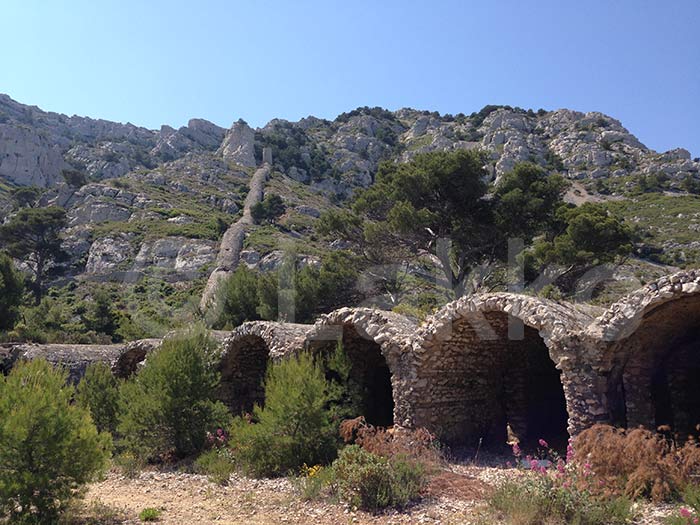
x=456 y=497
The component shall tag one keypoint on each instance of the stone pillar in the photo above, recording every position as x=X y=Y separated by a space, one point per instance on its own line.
x=267 y=156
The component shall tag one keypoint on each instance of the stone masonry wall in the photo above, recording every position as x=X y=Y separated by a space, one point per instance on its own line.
x=468 y=370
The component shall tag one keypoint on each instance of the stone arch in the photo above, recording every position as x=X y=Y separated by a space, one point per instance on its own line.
x=376 y=343
x=492 y=361
x=246 y=353
x=649 y=355
x=133 y=356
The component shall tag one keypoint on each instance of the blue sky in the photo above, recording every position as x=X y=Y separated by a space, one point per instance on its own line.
x=155 y=62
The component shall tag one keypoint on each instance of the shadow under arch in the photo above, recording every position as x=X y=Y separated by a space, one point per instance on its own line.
x=373 y=341
x=245 y=357
x=491 y=370
x=651 y=356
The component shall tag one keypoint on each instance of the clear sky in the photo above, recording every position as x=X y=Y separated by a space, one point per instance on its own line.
x=152 y=62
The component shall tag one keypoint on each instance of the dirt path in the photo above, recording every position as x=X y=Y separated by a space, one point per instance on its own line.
x=232 y=241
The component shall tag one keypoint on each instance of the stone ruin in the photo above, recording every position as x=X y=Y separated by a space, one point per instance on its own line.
x=483 y=367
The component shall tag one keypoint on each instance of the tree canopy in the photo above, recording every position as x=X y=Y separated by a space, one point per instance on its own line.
x=32 y=235
x=11 y=290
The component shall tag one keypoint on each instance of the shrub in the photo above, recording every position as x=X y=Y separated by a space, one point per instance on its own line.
x=312 y=481
x=689 y=514
x=373 y=482
x=418 y=445
x=217 y=464
x=48 y=446
x=638 y=463
x=11 y=290
x=98 y=391
x=293 y=428
x=237 y=298
x=169 y=405
x=552 y=490
x=149 y=514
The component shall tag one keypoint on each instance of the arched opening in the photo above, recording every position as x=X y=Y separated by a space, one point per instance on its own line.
x=497 y=384
x=655 y=372
x=243 y=372
x=369 y=374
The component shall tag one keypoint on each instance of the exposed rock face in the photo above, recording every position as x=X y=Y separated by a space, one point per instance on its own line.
x=28 y=159
x=176 y=253
x=107 y=254
x=238 y=146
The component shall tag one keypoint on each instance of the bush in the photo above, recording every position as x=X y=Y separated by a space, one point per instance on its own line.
x=237 y=298
x=98 y=391
x=49 y=447
x=149 y=514
x=217 y=464
x=293 y=428
x=11 y=290
x=690 y=513
x=373 y=482
x=638 y=463
x=169 y=406
x=418 y=445
x=552 y=490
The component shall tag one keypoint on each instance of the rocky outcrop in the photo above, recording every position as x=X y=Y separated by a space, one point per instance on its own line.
x=186 y=256
x=28 y=158
x=107 y=254
x=238 y=145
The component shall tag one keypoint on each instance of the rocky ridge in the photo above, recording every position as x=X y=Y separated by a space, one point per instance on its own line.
x=161 y=199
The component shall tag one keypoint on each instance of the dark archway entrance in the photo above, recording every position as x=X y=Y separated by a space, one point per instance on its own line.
x=243 y=374
x=502 y=379
x=370 y=375
x=655 y=376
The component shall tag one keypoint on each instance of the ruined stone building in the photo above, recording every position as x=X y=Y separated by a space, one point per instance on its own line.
x=546 y=369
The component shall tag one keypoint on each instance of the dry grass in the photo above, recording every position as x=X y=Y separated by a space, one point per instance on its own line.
x=637 y=463
x=418 y=445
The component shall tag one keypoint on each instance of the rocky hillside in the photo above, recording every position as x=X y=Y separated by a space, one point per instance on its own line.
x=155 y=202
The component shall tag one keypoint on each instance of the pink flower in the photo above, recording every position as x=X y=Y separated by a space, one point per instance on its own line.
x=543 y=470
x=696 y=521
x=566 y=484
x=560 y=466
x=509 y=464
x=685 y=512
x=534 y=464
x=543 y=443
x=569 y=452
x=516 y=450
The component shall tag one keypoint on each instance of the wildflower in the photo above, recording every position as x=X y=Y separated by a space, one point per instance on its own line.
x=696 y=521
x=516 y=450
x=543 y=443
x=569 y=452
x=685 y=513
x=560 y=466
x=534 y=464
x=509 y=464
